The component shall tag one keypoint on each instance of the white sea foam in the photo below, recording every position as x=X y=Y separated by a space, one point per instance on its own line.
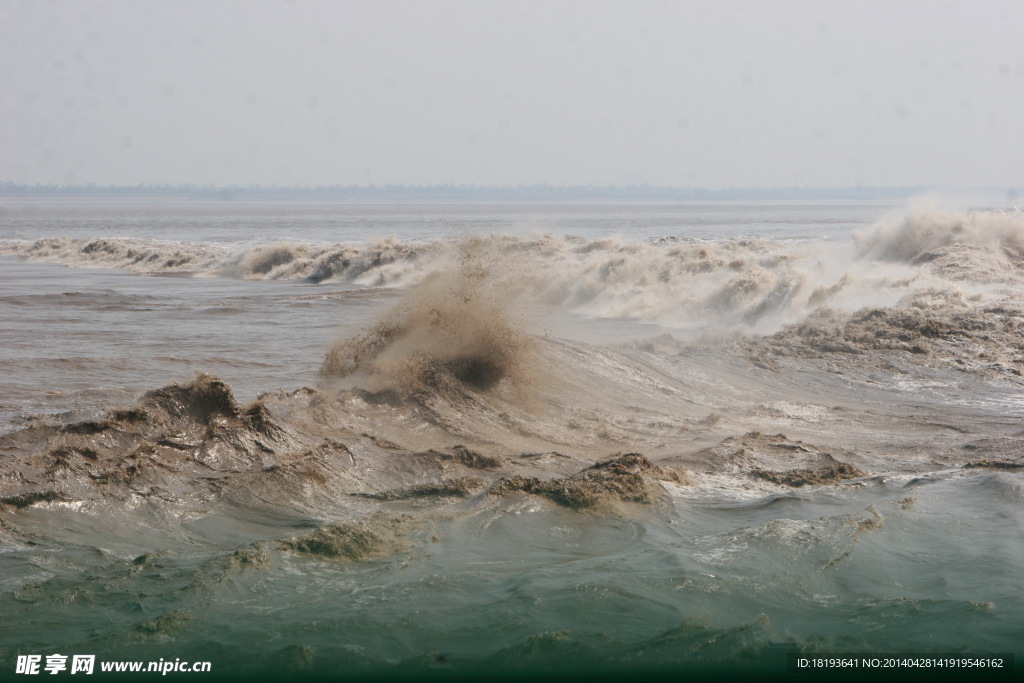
x=747 y=284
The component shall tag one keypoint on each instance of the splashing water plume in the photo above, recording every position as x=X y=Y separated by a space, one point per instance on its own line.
x=457 y=326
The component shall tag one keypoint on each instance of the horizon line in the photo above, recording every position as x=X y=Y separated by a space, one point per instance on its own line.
x=520 y=192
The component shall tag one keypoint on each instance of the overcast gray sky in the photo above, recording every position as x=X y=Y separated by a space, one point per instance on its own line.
x=712 y=94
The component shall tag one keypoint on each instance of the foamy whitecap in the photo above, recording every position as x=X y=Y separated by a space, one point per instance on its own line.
x=748 y=285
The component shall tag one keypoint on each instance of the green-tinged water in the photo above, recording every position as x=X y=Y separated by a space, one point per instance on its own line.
x=879 y=566
x=730 y=434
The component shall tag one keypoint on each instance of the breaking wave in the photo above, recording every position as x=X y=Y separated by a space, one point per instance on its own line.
x=917 y=235
x=376 y=264
x=984 y=245
x=751 y=285
x=456 y=328
x=461 y=492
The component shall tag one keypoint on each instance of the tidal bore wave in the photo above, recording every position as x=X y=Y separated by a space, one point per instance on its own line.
x=787 y=466
x=742 y=283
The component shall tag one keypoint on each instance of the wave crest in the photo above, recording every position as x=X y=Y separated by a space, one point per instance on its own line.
x=750 y=285
x=978 y=245
x=456 y=329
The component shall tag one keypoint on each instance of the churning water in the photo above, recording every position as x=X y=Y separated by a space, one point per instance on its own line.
x=365 y=439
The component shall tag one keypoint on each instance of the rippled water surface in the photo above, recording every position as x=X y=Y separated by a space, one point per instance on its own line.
x=825 y=400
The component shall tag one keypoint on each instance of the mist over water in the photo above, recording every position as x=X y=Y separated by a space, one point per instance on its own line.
x=634 y=436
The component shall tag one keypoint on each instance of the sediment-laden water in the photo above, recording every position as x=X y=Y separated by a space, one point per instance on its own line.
x=348 y=440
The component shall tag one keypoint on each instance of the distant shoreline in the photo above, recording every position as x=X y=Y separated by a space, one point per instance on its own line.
x=436 y=193
x=429 y=194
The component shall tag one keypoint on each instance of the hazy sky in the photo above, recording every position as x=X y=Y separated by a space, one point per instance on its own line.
x=710 y=94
